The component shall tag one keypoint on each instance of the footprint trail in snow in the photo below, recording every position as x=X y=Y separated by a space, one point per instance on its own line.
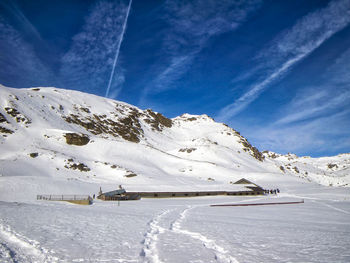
x=17 y=248
x=150 y=253
x=221 y=254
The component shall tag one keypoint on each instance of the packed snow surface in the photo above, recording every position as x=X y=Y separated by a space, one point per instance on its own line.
x=180 y=230
x=115 y=144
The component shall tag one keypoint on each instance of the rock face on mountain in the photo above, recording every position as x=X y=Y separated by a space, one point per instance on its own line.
x=85 y=139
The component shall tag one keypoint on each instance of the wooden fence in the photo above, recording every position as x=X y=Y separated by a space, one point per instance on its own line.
x=76 y=199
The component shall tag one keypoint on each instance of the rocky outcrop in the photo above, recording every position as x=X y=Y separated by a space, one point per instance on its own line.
x=76 y=139
x=128 y=127
x=13 y=112
x=34 y=155
x=5 y=130
x=188 y=150
x=252 y=150
x=71 y=164
x=125 y=122
x=157 y=120
x=2 y=118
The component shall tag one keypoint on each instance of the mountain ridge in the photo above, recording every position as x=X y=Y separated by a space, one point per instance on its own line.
x=67 y=138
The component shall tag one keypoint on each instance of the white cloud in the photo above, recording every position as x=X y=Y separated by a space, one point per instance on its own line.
x=316 y=106
x=316 y=119
x=290 y=47
x=330 y=96
x=191 y=25
x=89 y=61
x=21 y=19
x=19 y=65
x=329 y=134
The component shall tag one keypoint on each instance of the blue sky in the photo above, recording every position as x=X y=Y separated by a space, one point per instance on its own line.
x=277 y=71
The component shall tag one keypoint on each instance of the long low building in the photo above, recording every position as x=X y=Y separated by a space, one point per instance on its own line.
x=247 y=188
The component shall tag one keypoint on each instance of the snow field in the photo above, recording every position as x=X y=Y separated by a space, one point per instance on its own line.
x=178 y=230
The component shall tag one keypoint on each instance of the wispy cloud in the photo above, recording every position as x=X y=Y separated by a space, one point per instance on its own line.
x=191 y=25
x=289 y=48
x=315 y=106
x=19 y=65
x=317 y=118
x=88 y=63
x=20 y=18
x=328 y=134
x=325 y=99
x=164 y=81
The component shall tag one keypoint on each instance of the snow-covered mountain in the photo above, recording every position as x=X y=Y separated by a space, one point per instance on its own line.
x=54 y=139
x=332 y=171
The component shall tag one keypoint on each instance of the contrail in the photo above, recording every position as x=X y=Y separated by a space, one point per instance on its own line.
x=118 y=49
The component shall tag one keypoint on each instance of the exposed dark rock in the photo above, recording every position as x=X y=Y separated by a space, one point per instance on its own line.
x=129 y=128
x=2 y=118
x=85 y=109
x=296 y=169
x=14 y=96
x=282 y=169
x=270 y=155
x=188 y=150
x=331 y=165
x=77 y=166
x=158 y=121
x=76 y=139
x=35 y=89
x=130 y=175
x=5 y=130
x=17 y=115
x=80 y=166
x=12 y=111
x=253 y=151
x=34 y=155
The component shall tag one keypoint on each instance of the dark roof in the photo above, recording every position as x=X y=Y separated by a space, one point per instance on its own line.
x=244 y=181
x=115 y=192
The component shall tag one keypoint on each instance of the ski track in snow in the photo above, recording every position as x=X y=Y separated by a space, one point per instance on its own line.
x=221 y=255
x=333 y=207
x=150 y=252
x=17 y=248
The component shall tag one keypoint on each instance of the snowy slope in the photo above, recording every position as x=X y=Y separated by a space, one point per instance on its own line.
x=58 y=141
x=329 y=171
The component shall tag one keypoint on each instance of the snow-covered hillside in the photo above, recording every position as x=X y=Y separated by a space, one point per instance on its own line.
x=329 y=171
x=62 y=141
x=66 y=142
